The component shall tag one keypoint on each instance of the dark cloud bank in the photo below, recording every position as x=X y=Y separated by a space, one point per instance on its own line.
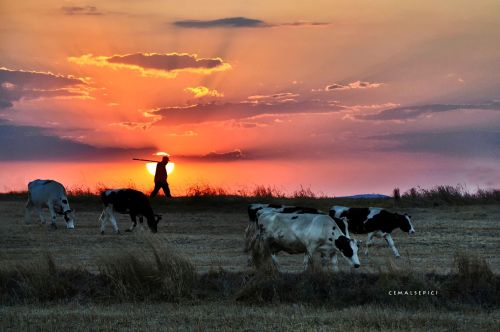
x=28 y=143
x=229 y=22
x=18 y=84
x=216 y=156
x=239 y=22
x=468 y=143
x=412 y=112
x=234 y=111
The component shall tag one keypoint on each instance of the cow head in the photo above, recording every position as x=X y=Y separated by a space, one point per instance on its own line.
x=153 y=222
x=349 y=249
x=62 y=207
x=69 y=217
x=405 y=224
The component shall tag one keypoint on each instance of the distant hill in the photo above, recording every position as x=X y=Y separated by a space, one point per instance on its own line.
x=366 y=196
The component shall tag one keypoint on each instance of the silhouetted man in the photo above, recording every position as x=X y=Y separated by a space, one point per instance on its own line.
x=161 y=178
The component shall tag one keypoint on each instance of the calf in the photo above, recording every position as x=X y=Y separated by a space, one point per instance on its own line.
x=374 y=222
x=51 y=194
x=127 y=201
x=303 y=233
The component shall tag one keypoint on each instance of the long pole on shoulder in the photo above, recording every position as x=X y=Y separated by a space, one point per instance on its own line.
x=153 y=161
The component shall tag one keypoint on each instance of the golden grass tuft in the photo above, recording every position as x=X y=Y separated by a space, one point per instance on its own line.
x=158 y=272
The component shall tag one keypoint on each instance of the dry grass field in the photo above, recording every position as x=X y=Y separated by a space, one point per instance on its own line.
x=211 y=237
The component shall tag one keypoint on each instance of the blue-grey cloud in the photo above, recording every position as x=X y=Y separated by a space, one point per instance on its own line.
x=19 y=84
x=467 y=143
x=81 y=10
x=413 y=112
x=234 y=155
x=233 y=111
x=241 y=22
x=229 y=22
x=305 y=24
x=34 y=143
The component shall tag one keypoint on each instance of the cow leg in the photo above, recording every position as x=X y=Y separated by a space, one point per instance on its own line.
x=141 y=219
x=53 y=215
x=40 y=216
x=134 y=222
x=113 y=219
x=28 y=210
x=102 y=219
x=307 y=260
x=369 y=241
x=390 y=242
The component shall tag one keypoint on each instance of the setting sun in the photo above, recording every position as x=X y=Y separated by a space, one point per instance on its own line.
x=151 y=167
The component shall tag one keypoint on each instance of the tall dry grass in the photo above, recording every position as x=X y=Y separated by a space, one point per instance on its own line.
x=159 y=273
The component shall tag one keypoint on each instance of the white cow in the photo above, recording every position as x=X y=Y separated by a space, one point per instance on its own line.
x=256 y=209
x=51 y=194
x=303 y=233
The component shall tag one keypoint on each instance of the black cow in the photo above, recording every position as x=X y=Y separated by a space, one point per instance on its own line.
x=127 y=201
x=374 y=222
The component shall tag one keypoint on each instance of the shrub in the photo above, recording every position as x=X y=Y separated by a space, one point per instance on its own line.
x=41 y=282
x=155 y=274
x=474 y=281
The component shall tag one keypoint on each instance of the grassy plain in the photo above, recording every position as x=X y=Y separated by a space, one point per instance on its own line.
x=208 y=231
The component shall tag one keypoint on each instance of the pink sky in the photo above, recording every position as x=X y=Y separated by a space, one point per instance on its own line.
x=345 y=97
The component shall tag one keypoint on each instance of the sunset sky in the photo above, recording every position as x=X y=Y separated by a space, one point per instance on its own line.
x=344 y=97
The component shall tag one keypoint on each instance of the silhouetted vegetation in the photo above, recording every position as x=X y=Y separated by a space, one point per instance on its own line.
x=205 y=195
x=448 y=195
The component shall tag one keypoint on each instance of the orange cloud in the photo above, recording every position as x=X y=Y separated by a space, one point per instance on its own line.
x=202 y=91
x=187 y=133
x=166 y=65
x=132 y=125
x=350 y=86
x=277 y=98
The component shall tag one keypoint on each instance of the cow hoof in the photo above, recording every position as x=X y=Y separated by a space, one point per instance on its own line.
x=128 y=230
x=53 y=226
x=398 y=257
x=102 y=232
x=118 y=232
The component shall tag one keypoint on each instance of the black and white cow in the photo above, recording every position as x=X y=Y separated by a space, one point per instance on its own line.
x=303 y=234
x=376 y=222
x=127 y=201
x=51 y=194
x=256 y=209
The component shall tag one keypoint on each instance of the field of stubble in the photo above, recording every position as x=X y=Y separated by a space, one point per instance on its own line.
x=212 y=238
